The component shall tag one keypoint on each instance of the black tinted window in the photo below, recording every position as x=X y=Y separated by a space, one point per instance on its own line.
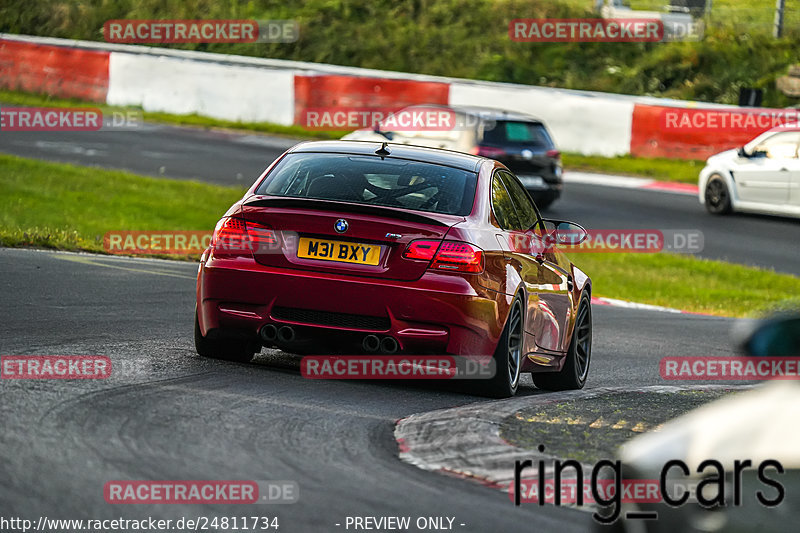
x=517 y=132
x=526 y=212
x=502 y=206
x=371 y=180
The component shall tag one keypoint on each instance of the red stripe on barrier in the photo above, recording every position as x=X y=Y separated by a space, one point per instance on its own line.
x=351 y=91
x=653 y=136
x=54 y=70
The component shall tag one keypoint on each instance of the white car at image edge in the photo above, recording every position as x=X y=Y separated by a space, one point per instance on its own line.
x=763 y=176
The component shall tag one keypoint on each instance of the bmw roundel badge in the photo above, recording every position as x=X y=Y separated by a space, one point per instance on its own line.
x=341 y=225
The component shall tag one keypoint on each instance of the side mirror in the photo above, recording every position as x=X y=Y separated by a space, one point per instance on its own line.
x=565 y=233
x=777 y=336
x=741 y=152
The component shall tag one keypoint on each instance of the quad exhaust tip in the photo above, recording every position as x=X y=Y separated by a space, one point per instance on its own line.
x=286 y=334
x=371 y=343
x=269 y=332
x=389 y=345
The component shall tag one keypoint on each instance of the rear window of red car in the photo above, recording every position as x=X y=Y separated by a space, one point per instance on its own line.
x=389 y=182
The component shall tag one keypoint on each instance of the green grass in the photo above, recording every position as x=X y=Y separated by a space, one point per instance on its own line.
x=16 y=98
x=59 y=206
x=297 y=132
x=67 y=207
x=686 y=282
x=684 y=171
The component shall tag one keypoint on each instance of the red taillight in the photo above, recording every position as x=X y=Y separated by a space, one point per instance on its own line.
x=553 y=153
x=488 y=151
x=234 y=236
x=451 y=256
x=421 y=250
x=458 y=256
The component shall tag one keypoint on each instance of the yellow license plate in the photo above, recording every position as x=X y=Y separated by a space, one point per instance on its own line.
x=343 y=252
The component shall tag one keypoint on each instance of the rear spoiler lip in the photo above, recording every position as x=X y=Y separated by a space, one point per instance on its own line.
x=331 y=205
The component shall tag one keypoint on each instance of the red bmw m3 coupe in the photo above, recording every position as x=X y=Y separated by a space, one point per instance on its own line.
x=377 y=248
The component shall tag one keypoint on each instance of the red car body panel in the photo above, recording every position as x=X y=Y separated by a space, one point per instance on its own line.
x=425 y=310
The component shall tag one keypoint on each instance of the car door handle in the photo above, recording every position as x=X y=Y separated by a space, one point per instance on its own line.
x=784 y=170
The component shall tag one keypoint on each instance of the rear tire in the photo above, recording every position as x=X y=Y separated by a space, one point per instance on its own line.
x=507 y=355
x=576 y=367
x=717 y=196
x=225 y=349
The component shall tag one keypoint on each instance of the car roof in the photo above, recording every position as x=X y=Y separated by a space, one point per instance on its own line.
x=487 y=113
x=789 y=126
x=434 y=156
x=492 y=113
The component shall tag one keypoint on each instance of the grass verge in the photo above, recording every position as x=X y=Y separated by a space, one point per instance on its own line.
x=16 y=98
x=686 y=282
x=67 y=207
x=683 y=171
x=590 y=430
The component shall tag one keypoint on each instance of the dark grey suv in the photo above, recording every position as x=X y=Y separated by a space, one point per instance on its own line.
x=520 y=142
x=524 y=145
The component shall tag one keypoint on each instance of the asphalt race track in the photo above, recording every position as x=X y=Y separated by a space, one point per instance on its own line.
x=215 y=156
x=166 y=413
x=228 y=158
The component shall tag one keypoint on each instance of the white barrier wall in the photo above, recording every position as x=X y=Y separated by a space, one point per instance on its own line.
x=251 y=89
x=216 y=90
x=580 y=122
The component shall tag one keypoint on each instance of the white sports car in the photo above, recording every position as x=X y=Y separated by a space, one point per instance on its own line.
x=762 y=176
